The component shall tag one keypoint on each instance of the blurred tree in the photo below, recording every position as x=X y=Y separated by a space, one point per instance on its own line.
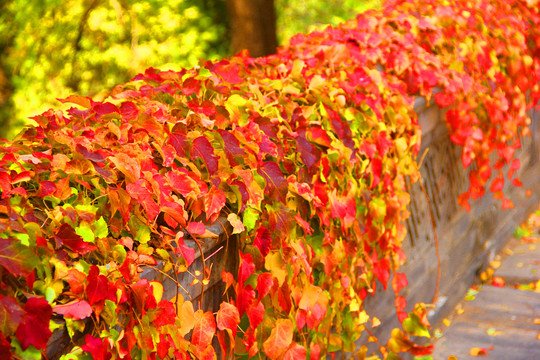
x=52 y=48
x=253 y=26
x=303 y=16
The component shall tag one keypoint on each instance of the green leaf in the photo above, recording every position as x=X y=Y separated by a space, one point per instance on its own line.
x=413 y=326
x=250 y=217
x=101 y=228
x=31 y=353
x=85 y=231
x=143 y=234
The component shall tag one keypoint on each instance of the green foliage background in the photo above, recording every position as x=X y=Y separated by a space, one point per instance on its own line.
x=50 y=49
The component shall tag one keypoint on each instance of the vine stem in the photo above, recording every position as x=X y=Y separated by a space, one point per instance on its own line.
x=433 y=225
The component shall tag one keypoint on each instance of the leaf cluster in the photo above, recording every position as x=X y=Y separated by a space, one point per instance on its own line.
x=308 y=153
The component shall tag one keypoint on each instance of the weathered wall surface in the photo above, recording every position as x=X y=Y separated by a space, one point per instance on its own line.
x=467 y=241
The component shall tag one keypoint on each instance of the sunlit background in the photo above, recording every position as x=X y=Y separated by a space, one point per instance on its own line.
x=50 y=49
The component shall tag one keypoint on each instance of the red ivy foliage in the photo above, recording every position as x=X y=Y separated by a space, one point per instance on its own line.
x=306 y=152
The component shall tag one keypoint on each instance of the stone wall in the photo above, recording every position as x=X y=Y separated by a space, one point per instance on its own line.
x=467 y=241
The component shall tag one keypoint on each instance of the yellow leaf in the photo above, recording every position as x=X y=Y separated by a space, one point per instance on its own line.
x=446 y=322
x=188 y=318
x=275 y=264
x=157 y=290
x=375 y=322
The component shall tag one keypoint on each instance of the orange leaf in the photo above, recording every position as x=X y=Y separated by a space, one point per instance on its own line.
x=279 y=340
x=228 y=318
x=476 y=351
x=204 y=330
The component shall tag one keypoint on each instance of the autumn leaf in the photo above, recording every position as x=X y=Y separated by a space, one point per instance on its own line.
x=275 y=181
x=34 y=330
x=255 y=314
x=214 y=201
x=76 y=310
x=236 y=222
x=399 y=281
x=228 y=72
x=280 y=339
x=294 y=352
x=17 y=258
x=263 y=240
x=204 y=150
x=11 y=315
x=228 y=318
x=477 y=351
x=66 y=236
x=204 y=330
x=98 y=347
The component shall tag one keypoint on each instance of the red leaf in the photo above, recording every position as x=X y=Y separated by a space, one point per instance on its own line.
x=341 y=127
x=166 y=314
x=46 y=188
x=381 y=269
x=228 y=72
x=66 y=236
x=417 y=350
x=497 y=184
x=129 y=110
x=232 y=145
x=295 y=352
x=182 y=182
x=97 y=286
x=383 y=144
x=214 y=201
x=104 y=108
x=5 y=348
x=77 y=310
x=399 y=281
x=196 y=228
x=375 y=168
x=315 y=351
x=271 y=172
x=204 y=330
x=97 y=347
x=265 y=281
x=367 y=149
x=318 y=136
x=263 y=240
x=256 y=314
x=204 y=150
x=247 y=267
x=401 y=303
x=35 y=328
x=245 y=296
x=308 y=153
x=228 y=318
x=279 y=340
x=187 y=252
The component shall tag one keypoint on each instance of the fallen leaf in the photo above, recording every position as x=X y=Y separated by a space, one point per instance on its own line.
x=476 y=351
x=497 y=281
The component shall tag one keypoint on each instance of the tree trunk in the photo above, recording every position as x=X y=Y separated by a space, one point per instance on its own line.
x=253 y=26
x=6 y=86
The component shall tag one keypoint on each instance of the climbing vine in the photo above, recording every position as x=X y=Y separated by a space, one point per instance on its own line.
x=305 y=152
